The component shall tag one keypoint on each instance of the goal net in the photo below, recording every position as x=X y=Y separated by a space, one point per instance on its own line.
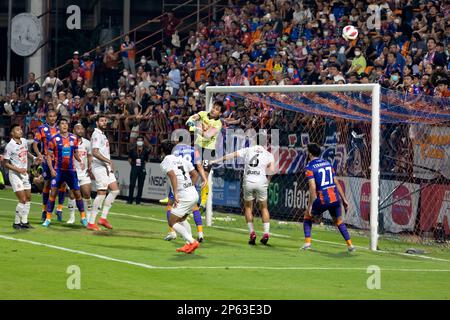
x=390 y=152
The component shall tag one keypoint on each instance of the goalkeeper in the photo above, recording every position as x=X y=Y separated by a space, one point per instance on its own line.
x=207 y=126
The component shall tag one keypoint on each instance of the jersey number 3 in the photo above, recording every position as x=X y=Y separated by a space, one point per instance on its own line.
x=326 y=173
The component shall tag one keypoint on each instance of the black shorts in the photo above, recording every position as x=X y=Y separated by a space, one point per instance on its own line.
x=205 y=156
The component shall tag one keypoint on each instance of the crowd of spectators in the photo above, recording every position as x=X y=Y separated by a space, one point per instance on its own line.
x=402 y=44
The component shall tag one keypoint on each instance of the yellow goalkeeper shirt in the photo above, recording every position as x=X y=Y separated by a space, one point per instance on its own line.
x=207 y=124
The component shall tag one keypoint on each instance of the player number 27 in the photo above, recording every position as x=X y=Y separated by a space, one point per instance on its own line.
x=323 y=173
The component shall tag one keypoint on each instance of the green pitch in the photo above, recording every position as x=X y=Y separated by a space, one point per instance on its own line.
x=133 y=262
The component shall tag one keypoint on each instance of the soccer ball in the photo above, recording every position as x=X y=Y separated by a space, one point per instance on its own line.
x=350 y=33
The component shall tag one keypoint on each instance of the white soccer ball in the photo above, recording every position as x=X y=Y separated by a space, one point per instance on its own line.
x=350 y=33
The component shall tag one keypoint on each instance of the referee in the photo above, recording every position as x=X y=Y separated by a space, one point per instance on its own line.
x=137 y=158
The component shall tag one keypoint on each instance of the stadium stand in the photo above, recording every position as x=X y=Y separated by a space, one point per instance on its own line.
x=258 y=43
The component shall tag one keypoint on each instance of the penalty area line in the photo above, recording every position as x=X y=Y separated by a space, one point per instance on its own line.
x=272 y=234
x=146 y=266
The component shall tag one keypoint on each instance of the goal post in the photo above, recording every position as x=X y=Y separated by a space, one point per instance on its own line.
x=373 y=89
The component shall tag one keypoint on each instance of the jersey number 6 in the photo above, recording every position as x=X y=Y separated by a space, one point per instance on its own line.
x=254 y=161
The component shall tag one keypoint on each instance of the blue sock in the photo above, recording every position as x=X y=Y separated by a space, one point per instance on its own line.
x=61 y=196
x=80 y=206
x=343 y=229
x=197 y=218
x=307 y=227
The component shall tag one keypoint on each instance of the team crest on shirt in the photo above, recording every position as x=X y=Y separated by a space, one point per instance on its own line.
x=71 y=143
x=45 y=129
x=57 y=139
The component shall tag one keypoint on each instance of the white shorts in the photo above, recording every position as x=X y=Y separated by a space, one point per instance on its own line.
x=253 y=190
x=19 y=182
x=102 y=180
x=83 y=178
x=186 y=203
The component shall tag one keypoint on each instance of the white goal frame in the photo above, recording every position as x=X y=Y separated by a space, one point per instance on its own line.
x=375 y=139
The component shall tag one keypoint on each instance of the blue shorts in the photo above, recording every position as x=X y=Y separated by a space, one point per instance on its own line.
x=69 y=177
x=46 y=171
x=333 y=208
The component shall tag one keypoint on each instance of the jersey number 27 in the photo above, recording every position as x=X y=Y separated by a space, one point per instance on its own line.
x=327 y=176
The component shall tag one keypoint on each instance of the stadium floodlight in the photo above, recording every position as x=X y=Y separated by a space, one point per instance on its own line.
x=372 y=89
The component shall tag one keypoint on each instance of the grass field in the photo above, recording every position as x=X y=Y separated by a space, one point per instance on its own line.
x=133 y=262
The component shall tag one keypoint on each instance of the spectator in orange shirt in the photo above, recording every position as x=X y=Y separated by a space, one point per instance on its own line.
x=199 y=66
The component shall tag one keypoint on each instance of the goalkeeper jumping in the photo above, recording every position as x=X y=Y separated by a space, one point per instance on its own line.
x=207 y=126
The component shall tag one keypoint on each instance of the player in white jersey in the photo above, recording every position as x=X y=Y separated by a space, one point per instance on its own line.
x=182 y=177
x=84 y=179
x=16 y=161
x=103 y=172
x=259 y=167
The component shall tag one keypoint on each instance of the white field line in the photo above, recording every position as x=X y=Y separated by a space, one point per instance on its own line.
x=162 y=220
x=276 y=235
x=146 y=266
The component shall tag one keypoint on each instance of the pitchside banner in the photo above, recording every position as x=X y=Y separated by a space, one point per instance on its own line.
x=435 y=208
x=289 y=195
x=155 y=184
x=226 y=193
x=402 y=205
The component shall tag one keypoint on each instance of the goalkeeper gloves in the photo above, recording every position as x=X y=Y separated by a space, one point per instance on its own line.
x=191 y=125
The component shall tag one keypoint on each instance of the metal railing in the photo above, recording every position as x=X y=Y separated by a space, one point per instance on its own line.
x=182 y=28
x=103 y=45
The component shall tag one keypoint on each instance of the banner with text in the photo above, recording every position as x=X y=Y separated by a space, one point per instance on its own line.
x=435 y=207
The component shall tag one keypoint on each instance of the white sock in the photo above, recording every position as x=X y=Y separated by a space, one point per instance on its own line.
x=187 y=226
x=266 y=226
x=96 y=206
x=182 y=230
x=250 y=227
x=108 y=202
x=87 y=207
x=19 y=212
x=71 y=207
x=25 y=212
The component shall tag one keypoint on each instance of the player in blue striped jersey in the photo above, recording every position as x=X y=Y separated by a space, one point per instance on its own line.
x=325 y=194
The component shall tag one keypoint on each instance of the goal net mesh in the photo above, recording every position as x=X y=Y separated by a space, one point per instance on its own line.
x=414 y=201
